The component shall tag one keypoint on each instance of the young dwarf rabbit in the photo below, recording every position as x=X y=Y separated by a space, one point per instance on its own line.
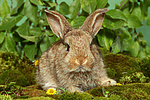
x=74 y=62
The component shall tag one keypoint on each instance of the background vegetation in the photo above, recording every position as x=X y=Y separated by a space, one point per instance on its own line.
x=24 y=32
x=24 y=28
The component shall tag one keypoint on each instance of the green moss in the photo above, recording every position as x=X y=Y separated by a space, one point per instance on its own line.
x=12 y=61
x=70 y=96
x=145 y=66
x=86 y=96
x=113 y=97
x=137 y=77
x=5 y=97
x=134 y=91
x=76 y=96
x=118 y=65
x=38 y=98
x=13 y=76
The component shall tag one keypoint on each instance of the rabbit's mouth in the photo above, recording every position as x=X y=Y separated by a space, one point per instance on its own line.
x=81 y=69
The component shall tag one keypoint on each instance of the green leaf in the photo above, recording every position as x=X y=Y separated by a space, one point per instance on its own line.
x=126 y=10
x=74 y=8
x=2 y=37
x=135 y=49
x=126 y=44
x=101 y=3
x=105 y=38
x=53 y=39
x=17 y=38
x=144 y=8
x=9 y=23
x=148 y=20
x=147 y=50
x=30 y=11
x=133 y=21
x=64 y=8
x=143 y=43
x=35 y=31
x=68 y=2
x=23 y=29
x=77 y=22
x=19 y=4
x=112 y=23
x=139 y=35
x=116 y=14
x=88 y=5
x=30 y=51
x=137 y=10
x=36 y=2
x=2 y=46
x=23 y=32
x=29 y=38
x=126 y=39
x=116 y=46
x=124 y=33
x=103 y=41
x=45 y=44
x=4 y=9
x=10 y=44
x=142 y=54
x=133 y=0
x=53 y=4
x=123 y=3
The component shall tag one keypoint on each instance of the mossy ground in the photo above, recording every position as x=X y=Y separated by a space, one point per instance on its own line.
x=119 y=67
x=134 y=91
x=145 y=66
x=11 y=61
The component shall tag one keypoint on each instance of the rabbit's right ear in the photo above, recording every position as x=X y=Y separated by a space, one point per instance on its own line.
x=58 y=23
x=94 y=22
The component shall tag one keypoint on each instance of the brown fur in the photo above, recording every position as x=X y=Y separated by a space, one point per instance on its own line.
x=74 y=62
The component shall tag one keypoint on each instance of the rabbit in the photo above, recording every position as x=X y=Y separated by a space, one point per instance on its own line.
x=74 y=62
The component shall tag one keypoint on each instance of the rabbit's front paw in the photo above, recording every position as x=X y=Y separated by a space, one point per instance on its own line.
x=74 y=89
x=108 y=82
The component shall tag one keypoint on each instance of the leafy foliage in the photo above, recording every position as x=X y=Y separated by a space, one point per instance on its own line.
x=24 y=28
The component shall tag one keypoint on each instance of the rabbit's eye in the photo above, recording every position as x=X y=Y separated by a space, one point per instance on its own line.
x=67 y=47
x=91 y=47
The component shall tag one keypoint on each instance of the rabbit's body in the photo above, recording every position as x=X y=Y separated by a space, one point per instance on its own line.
x=74 y=62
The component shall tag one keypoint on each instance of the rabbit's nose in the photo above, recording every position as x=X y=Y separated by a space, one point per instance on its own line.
x=80 y=66
x=80 y=61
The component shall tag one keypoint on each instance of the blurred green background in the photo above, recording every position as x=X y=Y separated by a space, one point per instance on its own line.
x=144 y=29
x=24 y=28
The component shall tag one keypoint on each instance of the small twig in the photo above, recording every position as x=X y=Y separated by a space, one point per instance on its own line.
x=124 y=4
x=11 y=5
x=56 y=2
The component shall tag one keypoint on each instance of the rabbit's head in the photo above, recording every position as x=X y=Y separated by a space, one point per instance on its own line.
x=78 y=42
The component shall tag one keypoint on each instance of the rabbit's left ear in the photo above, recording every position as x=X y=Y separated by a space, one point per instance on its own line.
x=58 y=23
x=94 y=21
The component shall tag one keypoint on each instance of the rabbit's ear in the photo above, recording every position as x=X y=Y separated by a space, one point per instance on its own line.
x=94 y=21
x=58 y=23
